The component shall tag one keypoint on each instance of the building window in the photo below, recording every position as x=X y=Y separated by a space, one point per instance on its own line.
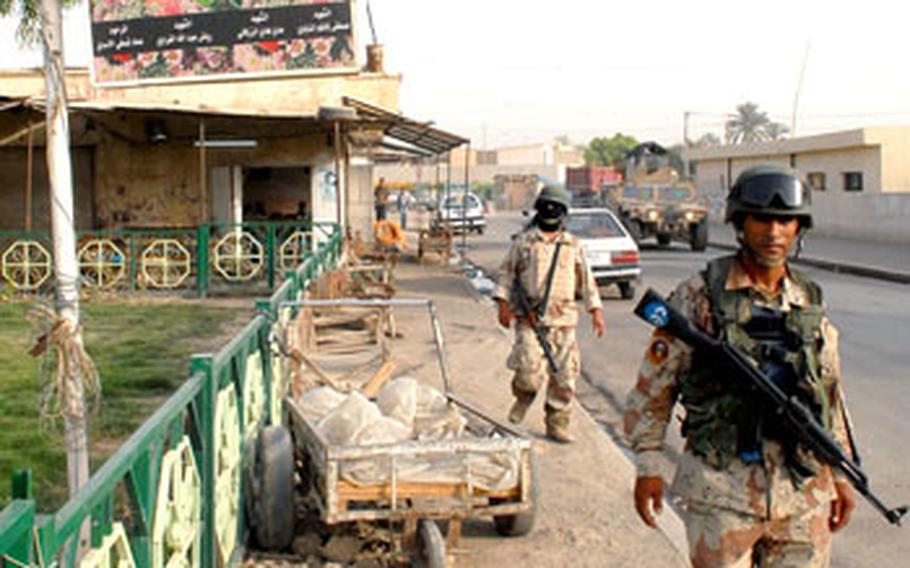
x=693 y=169
x=816 y=181
x=853 y=181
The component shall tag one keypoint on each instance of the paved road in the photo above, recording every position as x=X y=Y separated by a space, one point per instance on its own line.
x=870 y=315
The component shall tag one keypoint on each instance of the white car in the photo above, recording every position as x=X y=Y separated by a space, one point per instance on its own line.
x=611 y=252
x=453 y=214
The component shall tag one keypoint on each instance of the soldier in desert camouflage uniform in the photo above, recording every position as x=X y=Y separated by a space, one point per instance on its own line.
x=530 y=258
x=751 y=495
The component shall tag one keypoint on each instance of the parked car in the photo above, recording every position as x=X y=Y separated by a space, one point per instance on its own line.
x=611 y=251
x=462 y=212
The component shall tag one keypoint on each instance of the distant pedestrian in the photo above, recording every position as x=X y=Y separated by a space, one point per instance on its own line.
x=381 y=197
x=550 y=264
x=404 y=201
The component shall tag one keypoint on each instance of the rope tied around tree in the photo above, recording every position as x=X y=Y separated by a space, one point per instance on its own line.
x=65 y=360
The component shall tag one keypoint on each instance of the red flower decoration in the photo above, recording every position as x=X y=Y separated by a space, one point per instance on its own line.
x=270 y=46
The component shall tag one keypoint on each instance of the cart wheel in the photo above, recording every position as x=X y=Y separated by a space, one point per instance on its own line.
x=432 y=547
x=521 y=524
x=273 y=493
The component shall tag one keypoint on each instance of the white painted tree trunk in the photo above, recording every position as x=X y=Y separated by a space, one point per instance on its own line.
x=63 y=230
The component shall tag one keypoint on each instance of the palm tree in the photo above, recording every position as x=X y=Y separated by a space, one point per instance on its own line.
x=707 y=140
x=747 y=125
x=42 y=20
x=776 y=131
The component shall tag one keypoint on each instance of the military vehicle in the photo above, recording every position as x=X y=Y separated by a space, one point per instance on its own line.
x=653 y=202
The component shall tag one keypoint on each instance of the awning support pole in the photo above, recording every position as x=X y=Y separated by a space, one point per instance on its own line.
x=347 y=185
x=29 y=159
x=464 y=205
x=336 y=139
x=203 y=182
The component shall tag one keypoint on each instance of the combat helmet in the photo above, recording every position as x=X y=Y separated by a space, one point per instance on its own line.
x=769 y=189
x=552 y=206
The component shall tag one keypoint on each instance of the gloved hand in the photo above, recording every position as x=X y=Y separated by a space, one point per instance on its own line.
x=505 y=314
x=649 y=492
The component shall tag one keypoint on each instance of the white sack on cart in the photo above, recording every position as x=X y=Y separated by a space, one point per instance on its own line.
x=421 y=408
x=341 y=425
x=398 y=399
x=317 y=402
x=357 y=421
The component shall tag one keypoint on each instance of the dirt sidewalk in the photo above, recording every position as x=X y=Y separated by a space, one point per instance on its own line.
x=585 y=516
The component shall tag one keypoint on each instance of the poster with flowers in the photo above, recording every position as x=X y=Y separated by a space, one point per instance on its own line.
x=136 y=41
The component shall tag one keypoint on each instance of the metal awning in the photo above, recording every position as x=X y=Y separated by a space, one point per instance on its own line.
x=420 y=135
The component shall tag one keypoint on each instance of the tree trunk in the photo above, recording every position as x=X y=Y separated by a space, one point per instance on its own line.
x=63 y=230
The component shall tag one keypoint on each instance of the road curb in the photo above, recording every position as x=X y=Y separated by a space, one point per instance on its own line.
x=840 y=267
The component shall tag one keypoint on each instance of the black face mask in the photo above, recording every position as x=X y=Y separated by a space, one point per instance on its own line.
x=550 y=215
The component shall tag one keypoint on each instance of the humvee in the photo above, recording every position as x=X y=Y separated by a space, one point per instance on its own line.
x=653 y=202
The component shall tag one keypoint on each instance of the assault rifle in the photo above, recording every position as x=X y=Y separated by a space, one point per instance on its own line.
x=794 y=415
x=533 y=316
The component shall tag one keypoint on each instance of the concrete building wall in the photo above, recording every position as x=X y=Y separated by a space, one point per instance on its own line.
x=302 y=95
x=834 y=164
x=869 y=214
x=895 y=157
x=521 y=155
x=407 y=173
x=12 y=189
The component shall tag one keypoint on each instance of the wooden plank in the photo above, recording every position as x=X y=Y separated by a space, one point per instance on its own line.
x=302 y=359
x=347 y=491
x=382 y=376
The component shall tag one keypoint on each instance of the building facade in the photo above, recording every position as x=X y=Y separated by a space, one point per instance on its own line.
x=860 y=178
x=182 y=154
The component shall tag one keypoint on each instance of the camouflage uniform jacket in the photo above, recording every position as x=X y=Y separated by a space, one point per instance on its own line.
x=530 y=257
x=767 y=489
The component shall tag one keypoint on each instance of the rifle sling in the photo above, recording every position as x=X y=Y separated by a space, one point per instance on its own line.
x=551 y=273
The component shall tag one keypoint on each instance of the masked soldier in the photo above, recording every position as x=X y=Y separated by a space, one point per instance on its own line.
x=550 y=264
x=751 y=494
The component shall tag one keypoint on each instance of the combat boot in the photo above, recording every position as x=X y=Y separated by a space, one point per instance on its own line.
x=519 y=409
x=559 y=434
x=557 y=421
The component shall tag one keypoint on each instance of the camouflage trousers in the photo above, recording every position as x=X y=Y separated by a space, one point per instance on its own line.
x=532 y=370
x=724 y=537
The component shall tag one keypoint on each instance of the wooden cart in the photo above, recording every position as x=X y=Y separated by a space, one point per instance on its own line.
x=435 y=240
x=415 y=505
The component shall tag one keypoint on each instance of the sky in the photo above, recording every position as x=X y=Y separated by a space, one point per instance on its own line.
x=507 y=72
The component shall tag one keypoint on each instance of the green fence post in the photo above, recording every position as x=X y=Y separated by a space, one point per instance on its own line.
x=270 y=254
x=133 y=275
x=203 y=364
x=22 y=484
x=202 y=260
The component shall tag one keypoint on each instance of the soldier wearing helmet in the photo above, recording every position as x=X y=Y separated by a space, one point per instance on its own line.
x=751 y=494
x=545 y=249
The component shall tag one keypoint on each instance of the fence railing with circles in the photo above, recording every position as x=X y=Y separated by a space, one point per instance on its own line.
x=173 y=493
x=209 y=257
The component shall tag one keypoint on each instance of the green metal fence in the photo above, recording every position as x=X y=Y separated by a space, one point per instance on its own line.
x=211 y=257
x=172 y=495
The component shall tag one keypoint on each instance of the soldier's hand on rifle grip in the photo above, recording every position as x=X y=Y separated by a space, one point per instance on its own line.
x=649 y=494
x=597 y=322
x=505 y=314
x=842 y=506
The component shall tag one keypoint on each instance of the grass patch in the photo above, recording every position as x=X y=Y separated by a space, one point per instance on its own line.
x=142 y=353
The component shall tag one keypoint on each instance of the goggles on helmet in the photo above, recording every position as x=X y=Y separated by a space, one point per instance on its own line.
x=765 y=190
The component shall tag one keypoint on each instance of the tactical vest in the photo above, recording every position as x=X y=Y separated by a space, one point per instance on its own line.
x=723 y=420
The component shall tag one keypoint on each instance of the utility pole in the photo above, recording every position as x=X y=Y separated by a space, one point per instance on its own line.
x=686 y=141
x=799 y=87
